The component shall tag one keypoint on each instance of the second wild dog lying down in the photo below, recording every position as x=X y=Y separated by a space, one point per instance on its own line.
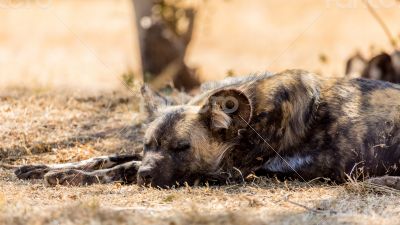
x=293 y=124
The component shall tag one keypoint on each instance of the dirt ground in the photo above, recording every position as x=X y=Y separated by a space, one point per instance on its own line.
x=61 y=100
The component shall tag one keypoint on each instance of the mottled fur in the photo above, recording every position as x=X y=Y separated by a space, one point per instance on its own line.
x=292 y=124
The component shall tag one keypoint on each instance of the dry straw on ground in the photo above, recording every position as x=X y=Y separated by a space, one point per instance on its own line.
x=52 y=128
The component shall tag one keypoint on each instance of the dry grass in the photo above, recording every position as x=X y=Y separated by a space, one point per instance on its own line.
x=71 y=126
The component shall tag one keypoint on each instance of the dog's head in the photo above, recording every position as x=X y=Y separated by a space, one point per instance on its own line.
x=185 y=142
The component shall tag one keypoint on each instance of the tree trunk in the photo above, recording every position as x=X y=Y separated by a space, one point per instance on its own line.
x=162 y=49
x=142 y=10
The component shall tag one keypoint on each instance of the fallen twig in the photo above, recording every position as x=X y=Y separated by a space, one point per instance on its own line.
x=319 y=211
x=385 y=28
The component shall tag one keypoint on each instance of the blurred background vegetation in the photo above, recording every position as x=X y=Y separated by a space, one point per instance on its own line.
x=94 y=45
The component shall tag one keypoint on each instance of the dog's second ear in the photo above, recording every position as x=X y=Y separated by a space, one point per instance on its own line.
x=152 y=102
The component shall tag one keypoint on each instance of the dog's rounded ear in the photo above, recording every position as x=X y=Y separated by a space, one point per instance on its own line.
x=152 y=102
x=227 y=109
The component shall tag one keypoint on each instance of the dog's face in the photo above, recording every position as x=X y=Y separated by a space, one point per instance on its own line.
x=186 y=142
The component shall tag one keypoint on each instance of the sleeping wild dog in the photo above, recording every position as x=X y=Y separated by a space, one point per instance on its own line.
x=290 y=125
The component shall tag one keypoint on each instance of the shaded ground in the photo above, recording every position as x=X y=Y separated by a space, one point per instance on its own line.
x=53 y=128
x=50 y=126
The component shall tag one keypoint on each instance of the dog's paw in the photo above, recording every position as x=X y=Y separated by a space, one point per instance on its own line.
x=70 y=177
x=30 y=172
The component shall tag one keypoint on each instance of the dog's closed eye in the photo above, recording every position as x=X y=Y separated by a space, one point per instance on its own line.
x=182 y=146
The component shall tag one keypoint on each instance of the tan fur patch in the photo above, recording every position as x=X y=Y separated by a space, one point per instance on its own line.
x=304 y=87
x=384 y=97
x=220 y=119
x=207 y=152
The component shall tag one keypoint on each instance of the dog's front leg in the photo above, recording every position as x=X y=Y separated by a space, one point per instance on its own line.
x=104 y=162
x=124 y=173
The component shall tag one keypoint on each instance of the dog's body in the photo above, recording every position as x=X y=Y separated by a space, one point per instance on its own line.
x=292 y=124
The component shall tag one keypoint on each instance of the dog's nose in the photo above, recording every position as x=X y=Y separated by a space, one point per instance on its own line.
x=146 y=175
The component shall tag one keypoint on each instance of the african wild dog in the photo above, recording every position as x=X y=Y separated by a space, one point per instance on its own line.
x=292 y=124
x=381 y=67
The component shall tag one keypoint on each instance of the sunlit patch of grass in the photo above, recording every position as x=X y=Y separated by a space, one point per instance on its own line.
x=2 y=201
